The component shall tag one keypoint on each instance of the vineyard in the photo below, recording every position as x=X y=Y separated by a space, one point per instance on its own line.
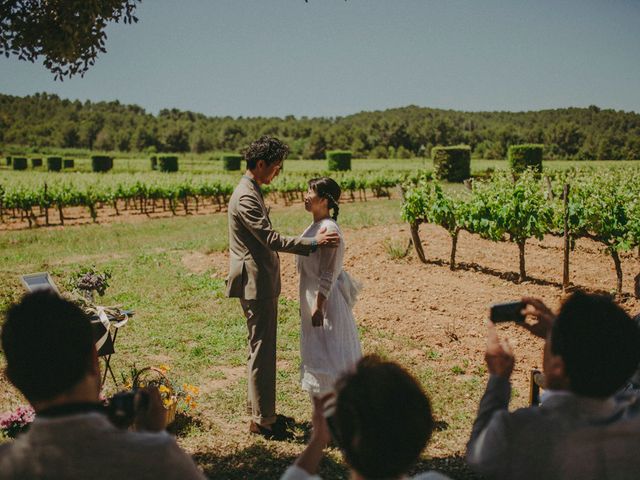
x=603 y=206
x=41 y=198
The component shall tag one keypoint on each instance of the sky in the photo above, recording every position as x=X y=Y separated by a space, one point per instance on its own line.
x=336 y=57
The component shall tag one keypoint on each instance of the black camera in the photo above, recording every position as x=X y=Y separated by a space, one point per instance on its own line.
x=123 y=406
x=506 y=312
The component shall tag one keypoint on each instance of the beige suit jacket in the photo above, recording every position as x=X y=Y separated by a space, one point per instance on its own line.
x=254 y=265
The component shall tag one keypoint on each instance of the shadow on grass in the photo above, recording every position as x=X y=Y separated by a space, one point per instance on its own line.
x=264 y=461
x=268 y=461
x=184 y=423
x=453 y=466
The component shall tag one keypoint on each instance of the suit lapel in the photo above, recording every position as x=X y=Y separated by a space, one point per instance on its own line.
x=253 y=185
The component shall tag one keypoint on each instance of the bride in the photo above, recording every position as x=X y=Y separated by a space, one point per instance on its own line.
x=329 y=342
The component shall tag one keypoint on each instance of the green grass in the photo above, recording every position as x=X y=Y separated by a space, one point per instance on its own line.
x=183 y=320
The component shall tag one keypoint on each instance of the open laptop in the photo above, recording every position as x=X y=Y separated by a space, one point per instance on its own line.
x=39 y=281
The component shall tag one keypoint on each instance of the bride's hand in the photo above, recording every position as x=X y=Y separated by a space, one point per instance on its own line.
x=317 y=318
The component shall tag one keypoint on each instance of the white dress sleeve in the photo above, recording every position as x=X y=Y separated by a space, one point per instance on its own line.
x=294 y=472
x=328 y=260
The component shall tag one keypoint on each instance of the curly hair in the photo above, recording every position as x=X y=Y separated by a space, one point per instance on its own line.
x=266 y=148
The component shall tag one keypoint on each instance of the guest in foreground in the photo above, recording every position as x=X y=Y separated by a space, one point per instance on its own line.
x=381 y=423
x=583 y=429
x=51 y=358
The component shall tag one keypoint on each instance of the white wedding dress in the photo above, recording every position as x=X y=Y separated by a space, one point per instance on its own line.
x=327 y=351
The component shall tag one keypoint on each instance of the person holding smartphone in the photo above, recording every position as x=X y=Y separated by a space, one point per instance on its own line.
x=586 y=429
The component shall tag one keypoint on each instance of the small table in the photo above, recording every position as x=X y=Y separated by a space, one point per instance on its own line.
x=107 y=348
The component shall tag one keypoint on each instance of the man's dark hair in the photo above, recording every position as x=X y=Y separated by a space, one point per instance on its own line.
x=47 y=342
x=266 y=148
x=598 y=342
x=382 y=420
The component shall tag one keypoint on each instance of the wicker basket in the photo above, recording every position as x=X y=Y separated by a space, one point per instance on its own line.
x=161 y=379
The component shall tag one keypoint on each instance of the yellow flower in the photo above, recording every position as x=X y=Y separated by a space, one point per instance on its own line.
x=164 y=389
x=164 y=368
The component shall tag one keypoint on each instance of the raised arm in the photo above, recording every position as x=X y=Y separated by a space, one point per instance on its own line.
x=488 y=446
x=252 y=216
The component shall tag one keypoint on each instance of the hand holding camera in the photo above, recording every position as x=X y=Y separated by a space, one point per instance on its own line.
x=141 y=407
x=541 y=316
x=499 y=356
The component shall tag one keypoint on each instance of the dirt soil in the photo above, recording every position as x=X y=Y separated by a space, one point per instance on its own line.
x=445 y=310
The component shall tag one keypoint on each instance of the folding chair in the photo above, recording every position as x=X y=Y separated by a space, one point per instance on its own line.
x=105 y=342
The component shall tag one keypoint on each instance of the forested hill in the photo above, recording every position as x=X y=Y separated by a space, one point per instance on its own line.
x=44 y=120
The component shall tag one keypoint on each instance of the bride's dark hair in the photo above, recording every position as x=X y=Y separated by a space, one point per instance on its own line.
x=326 y=187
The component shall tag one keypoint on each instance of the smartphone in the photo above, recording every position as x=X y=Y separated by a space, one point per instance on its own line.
x=507 y=312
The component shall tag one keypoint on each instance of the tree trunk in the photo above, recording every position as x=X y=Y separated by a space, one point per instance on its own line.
x=416 y=242
x=567 y=239
x=94 y=213
x=616 y=262
x=523 y=273
x=454 y=246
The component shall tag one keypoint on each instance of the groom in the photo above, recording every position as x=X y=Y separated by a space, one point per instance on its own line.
x=254 y=277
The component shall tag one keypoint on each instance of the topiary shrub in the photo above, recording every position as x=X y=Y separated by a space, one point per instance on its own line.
x=452 y=164
x=19 y=163
x=36 y=162
x=101 y=163
x=168 y=163
x=68 y=163
x=525 y=156
x=54 y=164
x=231 y=161
x=154 y=162
x=8 y=160
x=338 y=160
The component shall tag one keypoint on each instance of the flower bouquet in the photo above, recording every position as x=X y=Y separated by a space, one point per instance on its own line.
x=173 y=395
x=13 y=423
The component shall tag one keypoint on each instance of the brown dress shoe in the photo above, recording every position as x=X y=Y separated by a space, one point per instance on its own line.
x=275 y=431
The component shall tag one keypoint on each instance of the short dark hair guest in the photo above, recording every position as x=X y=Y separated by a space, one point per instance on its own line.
x=382 y=422
x=48 y=344
x=598 y=343
x=266 y=148
x=383 y=418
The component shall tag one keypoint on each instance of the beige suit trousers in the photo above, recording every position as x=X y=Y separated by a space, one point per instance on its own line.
x=262 y=324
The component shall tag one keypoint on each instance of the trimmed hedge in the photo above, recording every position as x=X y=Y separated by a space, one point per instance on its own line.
x=36 y=162
x=154 y=162
x=168 y=163
x=54 y=164
x=68 y=163
x=452 y=164
x=338 y=160
x=101 y=163
x=8 y=160
x=231 y=161
x=19 y=163
x=526 y=156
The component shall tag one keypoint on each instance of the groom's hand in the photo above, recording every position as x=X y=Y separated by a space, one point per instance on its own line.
x=327 y=239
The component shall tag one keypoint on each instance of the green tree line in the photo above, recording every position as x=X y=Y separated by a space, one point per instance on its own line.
x=45 y=120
